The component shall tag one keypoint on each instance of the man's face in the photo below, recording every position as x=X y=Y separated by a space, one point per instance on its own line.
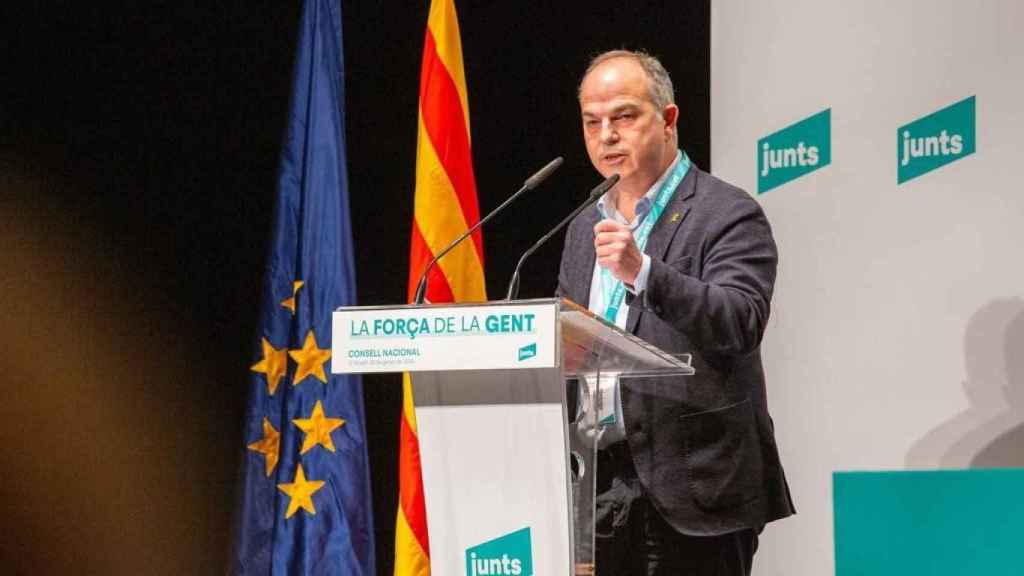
x=624 y=132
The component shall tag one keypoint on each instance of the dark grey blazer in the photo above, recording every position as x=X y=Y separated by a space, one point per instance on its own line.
x=703 y=447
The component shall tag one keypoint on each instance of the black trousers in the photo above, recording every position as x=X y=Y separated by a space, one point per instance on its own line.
x=632 y=539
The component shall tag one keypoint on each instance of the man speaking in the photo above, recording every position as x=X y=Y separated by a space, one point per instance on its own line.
x=688 y=472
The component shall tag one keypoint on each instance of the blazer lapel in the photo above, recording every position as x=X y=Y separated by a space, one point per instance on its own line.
x=583 y=268
x=664 y=231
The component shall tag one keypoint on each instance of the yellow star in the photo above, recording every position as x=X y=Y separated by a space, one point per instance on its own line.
x=289 y=303
x=269 y=445
x=309 y=360
x=318 y=429
x=301 y=493
x=274 y=364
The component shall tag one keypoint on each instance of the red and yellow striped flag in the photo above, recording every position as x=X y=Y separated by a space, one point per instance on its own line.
x=446 y=206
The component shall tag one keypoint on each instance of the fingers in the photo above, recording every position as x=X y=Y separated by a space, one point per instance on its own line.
x=617 y=250
x=616 y=241
x=611 y=232
x=608 y=225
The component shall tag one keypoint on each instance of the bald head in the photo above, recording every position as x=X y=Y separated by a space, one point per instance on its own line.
x=659 y=87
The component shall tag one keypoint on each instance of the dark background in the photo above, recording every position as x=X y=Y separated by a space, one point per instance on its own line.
x=138 y=154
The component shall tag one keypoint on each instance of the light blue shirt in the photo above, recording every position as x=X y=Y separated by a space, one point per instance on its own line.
x=598 y=299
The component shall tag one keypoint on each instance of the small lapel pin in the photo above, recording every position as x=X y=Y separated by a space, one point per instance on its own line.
x=675 y=217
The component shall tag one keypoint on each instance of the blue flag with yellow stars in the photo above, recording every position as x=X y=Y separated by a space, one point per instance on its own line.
x=305 y=506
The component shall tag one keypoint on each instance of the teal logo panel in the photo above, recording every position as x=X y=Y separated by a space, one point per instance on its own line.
x=939 y=523
x=935 y=140
x=528 y=351
x=508 y=555
x=794 y=151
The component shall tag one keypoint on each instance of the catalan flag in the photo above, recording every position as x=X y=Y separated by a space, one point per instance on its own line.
x=446 y=206
x=305 y=498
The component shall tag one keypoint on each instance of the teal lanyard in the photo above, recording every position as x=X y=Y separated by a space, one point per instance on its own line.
x=614 y=289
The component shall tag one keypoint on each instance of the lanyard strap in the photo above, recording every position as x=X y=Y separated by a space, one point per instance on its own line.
x=614 y=289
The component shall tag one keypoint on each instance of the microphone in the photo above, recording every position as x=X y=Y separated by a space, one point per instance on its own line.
x=595 y=194
x=530 y=183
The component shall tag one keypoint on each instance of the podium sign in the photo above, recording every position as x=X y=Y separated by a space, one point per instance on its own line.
x=495 y=472
x=458 y=337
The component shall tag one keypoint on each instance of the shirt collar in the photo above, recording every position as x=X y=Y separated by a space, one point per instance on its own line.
x=606 y=205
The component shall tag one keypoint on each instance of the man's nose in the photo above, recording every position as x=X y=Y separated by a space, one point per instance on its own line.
x=608 y=133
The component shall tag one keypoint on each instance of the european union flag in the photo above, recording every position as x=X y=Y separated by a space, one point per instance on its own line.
x=305 y=503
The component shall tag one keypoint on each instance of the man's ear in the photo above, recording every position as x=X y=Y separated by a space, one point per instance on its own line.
x=671 y=116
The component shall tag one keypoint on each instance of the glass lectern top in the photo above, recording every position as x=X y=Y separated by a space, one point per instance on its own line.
x=592 y=344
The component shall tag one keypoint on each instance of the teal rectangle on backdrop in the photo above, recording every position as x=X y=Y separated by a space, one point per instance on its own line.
x=938 y=523
x=935 y=140
x=794 y=151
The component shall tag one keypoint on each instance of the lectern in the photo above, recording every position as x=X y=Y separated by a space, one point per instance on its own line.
x=512 y=400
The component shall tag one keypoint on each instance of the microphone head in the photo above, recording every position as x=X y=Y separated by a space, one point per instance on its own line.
x=542 y=174
x=605 y=186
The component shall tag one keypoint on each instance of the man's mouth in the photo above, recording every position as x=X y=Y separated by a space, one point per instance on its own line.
x=614 y=157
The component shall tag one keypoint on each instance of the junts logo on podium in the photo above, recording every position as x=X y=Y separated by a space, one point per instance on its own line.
x=508 y=555
x=935 y=140
x=528 y=351
x=794 y=151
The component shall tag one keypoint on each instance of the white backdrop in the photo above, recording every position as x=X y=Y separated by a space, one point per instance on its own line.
x=897 y=332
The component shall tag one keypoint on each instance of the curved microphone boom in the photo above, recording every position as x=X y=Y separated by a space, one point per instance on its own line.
x=595 y=194
x=530 y=183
